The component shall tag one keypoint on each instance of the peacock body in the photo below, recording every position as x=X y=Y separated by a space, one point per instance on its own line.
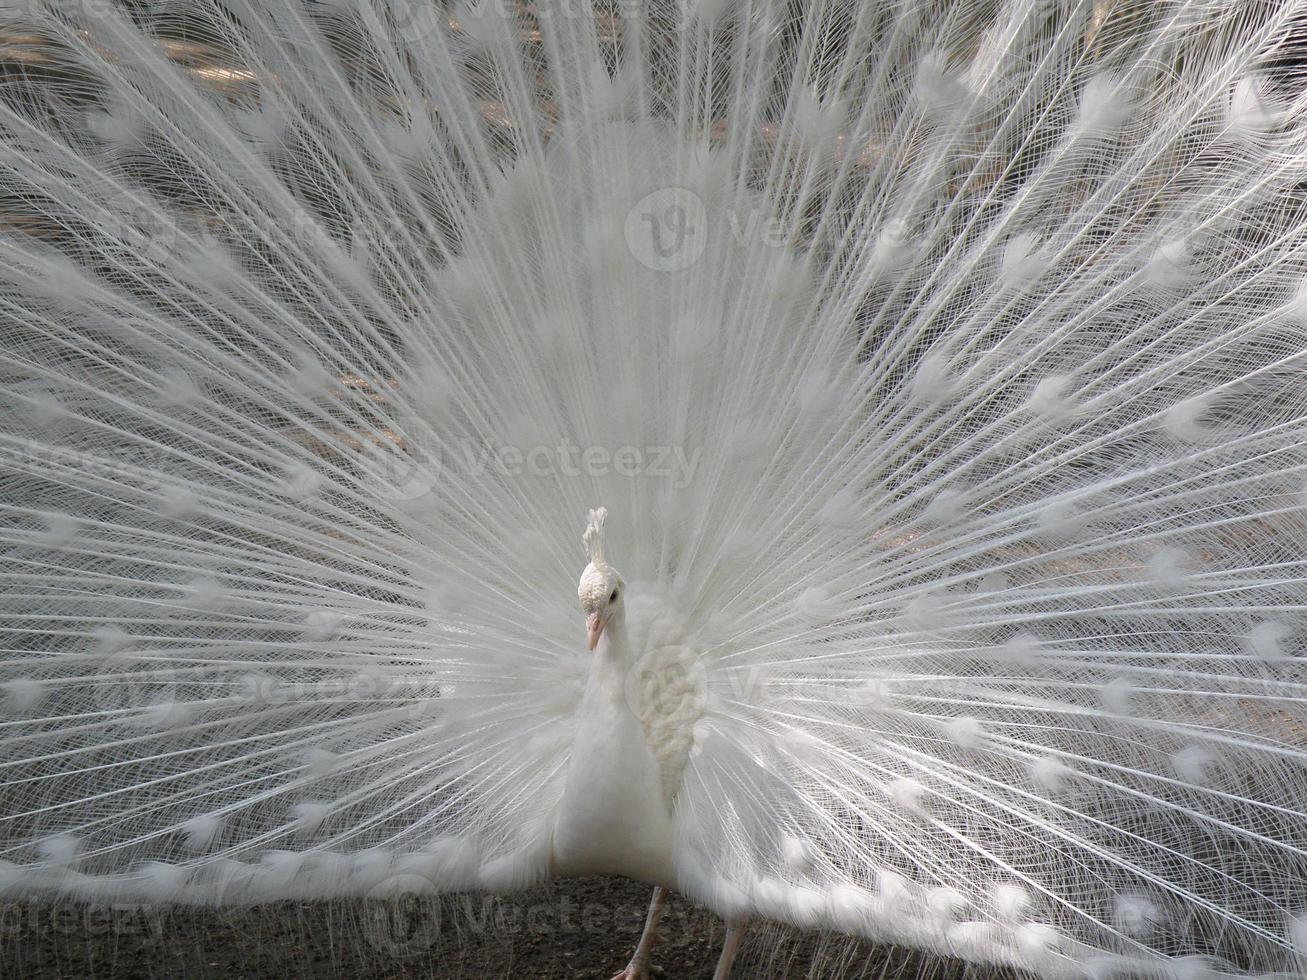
x=939 y=366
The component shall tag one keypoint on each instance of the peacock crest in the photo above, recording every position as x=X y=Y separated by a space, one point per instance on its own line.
x=593 y=537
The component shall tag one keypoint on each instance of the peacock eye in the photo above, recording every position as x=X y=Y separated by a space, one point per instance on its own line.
x=613 y=597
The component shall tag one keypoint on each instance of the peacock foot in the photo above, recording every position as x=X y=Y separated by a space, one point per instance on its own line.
x=635 y=972
x=640 y=968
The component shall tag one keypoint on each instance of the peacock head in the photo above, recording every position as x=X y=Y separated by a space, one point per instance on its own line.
x=600 y=589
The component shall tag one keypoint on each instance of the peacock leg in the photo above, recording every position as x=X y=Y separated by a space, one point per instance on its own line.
x=734 y=933
x=638 y=968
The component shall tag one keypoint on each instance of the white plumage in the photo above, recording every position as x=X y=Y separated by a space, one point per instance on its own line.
x=940 y=366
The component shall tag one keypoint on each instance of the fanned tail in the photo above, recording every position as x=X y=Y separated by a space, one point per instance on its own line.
x=943 y=363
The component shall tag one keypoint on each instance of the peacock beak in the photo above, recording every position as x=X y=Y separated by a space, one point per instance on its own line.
x=594 y=628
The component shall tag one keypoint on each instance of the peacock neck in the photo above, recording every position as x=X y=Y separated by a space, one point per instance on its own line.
x=612 y=660
x=612 y=818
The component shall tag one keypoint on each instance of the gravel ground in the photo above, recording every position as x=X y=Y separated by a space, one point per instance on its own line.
x=584 y=928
